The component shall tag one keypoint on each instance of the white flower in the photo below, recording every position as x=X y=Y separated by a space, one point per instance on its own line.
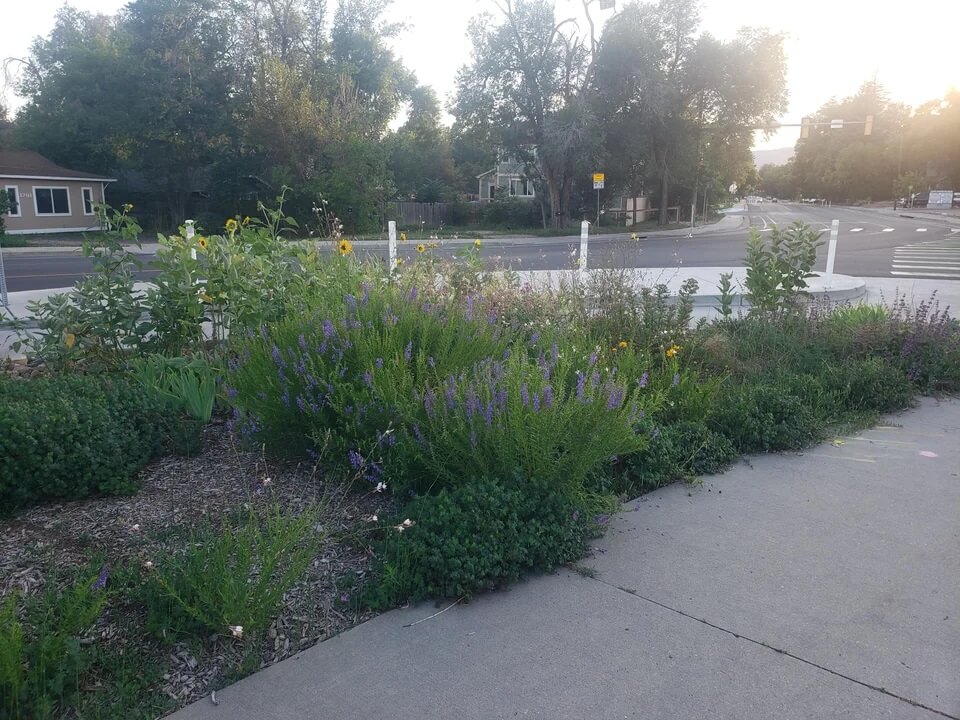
x=267 y=482
x=236 y=631
x=381 y=486
x=135 y=528
x=147 y=565
x=372 y=518
x=408 y=523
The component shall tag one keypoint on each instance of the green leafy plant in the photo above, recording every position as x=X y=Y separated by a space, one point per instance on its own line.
x=233 y=576
x=777 y=270
x=101 y=320
x=726 y=295
x=41 y=657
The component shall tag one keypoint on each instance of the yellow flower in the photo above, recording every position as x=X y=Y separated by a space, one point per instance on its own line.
x=403 y=237
x=672 y=352
x=70 y=340
x=399 y=262
x=206 y=298
x=634 y=236
x=231 y=225
x=476 y=244
x=345 y=247
x=623 y=344
x=246 y=220
x=202 y=242
x=613 y=349
x=127 y=207
x=421 y=248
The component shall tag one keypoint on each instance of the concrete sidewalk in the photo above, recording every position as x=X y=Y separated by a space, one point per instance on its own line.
x=815 y=586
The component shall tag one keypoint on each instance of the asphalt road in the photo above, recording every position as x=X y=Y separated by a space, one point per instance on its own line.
x=872 y=243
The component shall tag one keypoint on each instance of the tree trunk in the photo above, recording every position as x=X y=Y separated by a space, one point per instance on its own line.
x=664 y=186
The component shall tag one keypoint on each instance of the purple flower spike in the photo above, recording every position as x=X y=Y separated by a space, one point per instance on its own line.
x=524 y=395
x=431 y=363
x=548 y=396
x=536 y=402
x=356 y=459
x=581 y=382
x=469 y=307
x=554 y=353
x=676 y=379
x=368 y=378
x=302 y=342
x=488 y=415
x=429 y=398
x=328 y=330
x=101 y=582
x=595 y=379
x=534 y=339
x=408 y=351
x=644 y=379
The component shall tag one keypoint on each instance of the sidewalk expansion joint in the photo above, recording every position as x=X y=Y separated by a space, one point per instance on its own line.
x=775 y=649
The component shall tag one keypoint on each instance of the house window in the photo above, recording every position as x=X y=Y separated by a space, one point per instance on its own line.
x=87 y=200
x=521 y=188
x=51 y=200
x=13 y=195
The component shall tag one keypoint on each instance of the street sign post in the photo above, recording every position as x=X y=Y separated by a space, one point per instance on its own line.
x=598 y=183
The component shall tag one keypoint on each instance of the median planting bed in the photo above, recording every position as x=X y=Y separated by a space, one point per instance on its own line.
x=318 y=439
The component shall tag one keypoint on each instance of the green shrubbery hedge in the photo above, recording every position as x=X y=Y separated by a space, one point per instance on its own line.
x=75 y=436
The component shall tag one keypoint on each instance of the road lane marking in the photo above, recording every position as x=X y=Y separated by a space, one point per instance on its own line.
x=928 y=275
x=888 y=230
x=856 y=229
x=910 y=266
x=921 y=229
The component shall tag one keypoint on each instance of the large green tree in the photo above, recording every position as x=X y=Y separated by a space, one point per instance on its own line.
x=680 y=107
x=421 y=156
x=526 y=89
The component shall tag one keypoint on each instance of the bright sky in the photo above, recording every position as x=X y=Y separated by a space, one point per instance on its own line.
x=832 y=45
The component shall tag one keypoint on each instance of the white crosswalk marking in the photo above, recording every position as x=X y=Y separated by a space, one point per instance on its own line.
x=933 y=259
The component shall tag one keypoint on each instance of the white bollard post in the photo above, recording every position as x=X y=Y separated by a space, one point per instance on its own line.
x=831 y=254
x=584 y=237
x=190 y=232
x=392 y=230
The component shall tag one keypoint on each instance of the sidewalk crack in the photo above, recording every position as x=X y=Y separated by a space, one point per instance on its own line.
x=775 y=649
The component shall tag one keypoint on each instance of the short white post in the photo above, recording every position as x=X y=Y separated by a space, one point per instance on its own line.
x=831 y=254
x=190 y=232
x=584 y=237
x=392 y=229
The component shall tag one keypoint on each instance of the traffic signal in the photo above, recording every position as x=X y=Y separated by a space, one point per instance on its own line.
x=805 y=128
x=868 y=126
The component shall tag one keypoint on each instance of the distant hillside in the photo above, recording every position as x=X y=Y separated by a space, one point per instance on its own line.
x=772 y=157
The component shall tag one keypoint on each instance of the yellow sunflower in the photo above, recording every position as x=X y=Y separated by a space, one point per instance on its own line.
x=421 y=248
x=345 y=247
x=400 y=262
x=246 y=220
x=202 y=242
x=673 y=351
x=623 y=344
x=403 y=237
x=231 y=225
x=476 y=244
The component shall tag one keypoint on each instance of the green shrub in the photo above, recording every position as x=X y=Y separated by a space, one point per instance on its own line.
x=764 y=417
x=675 y=452
x=476 y=536
x=231 y=576
x=75 y=436
x=871 y=385
x=41 y=658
